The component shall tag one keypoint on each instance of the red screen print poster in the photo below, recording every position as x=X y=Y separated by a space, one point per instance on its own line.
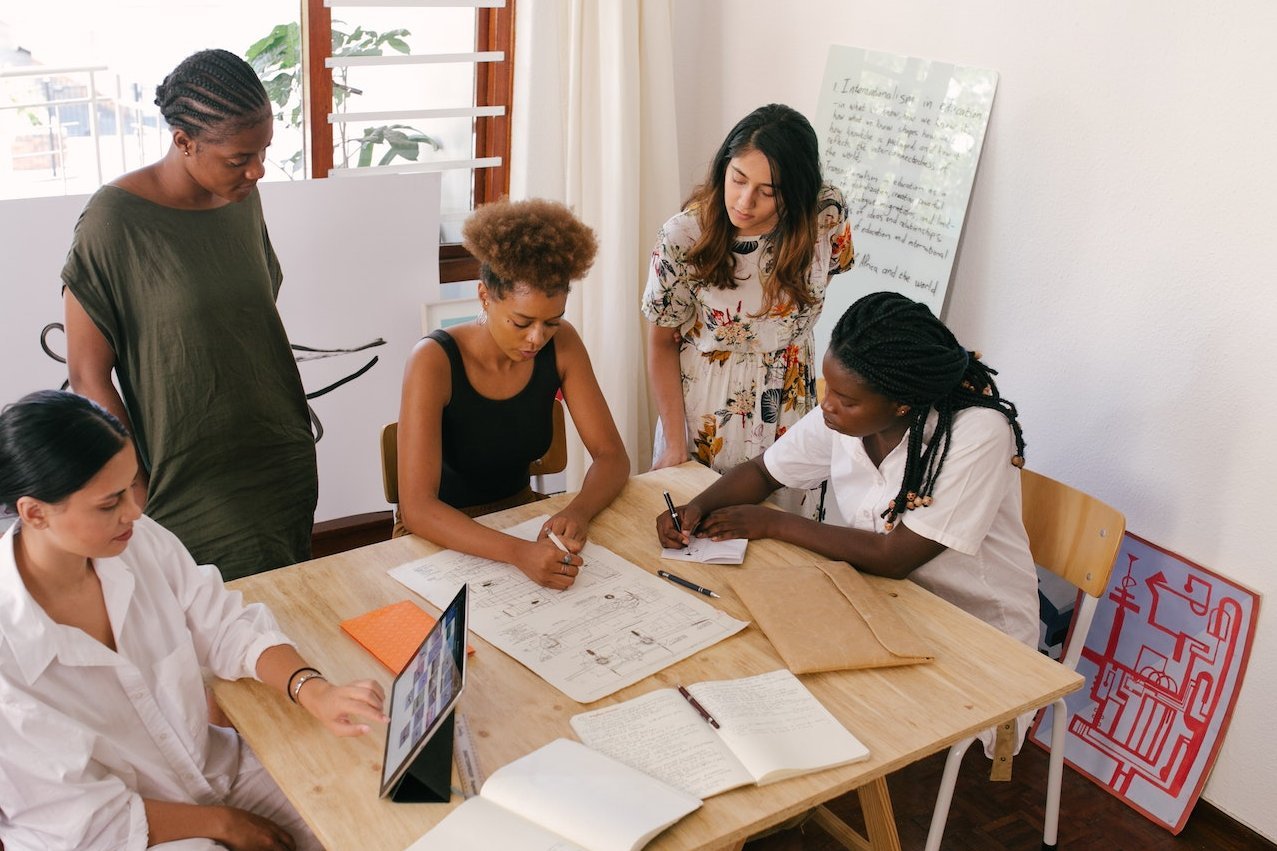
x=1163 y=663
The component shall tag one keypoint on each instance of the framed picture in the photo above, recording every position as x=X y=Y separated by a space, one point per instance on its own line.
x=448 y=313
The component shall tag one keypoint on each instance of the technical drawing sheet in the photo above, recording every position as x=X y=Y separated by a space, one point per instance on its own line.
x=616 y=624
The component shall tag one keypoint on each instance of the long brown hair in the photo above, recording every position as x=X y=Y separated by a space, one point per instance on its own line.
x=787 y=139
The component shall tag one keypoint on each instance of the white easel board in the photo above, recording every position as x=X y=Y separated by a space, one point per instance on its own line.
x=901 y=136
x=360 y=257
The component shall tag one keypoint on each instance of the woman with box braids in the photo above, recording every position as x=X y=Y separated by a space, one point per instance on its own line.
x=170 y=284
x=910 y=419
x=901 y=350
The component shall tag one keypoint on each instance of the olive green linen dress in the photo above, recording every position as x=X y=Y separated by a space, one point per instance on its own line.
x=186 y=299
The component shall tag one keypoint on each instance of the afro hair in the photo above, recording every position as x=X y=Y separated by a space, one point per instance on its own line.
x=536 y=242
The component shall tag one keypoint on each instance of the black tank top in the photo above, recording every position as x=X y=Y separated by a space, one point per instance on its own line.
x=489 y=443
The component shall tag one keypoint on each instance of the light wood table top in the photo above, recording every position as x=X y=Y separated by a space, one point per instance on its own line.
x=979 y=678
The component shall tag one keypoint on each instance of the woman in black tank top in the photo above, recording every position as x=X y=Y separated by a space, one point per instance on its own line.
x=478 y=400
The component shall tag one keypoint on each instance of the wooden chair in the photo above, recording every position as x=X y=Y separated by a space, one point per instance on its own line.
x=555 y=459
x=1076 y=537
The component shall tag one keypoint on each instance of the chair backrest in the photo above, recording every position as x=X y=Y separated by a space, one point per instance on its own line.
x=390 y=462
x=1071 y=534
x=555 y=459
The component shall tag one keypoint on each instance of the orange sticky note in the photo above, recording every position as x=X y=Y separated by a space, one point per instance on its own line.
x=392 y=633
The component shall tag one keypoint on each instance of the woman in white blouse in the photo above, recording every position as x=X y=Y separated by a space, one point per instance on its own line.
x=922 y=455
x=105 y=623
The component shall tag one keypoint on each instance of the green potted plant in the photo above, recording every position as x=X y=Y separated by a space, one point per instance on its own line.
x=277 y=60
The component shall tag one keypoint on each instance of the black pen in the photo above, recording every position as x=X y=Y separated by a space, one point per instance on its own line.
x=678 y=525
x=678 y=580
x=696 y=704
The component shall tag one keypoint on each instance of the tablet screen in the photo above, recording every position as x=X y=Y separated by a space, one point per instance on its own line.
x=425 y=691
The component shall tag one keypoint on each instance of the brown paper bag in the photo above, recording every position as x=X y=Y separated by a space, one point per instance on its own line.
x=826 y=617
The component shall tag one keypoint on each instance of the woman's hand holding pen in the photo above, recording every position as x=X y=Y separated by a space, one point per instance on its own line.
x=339 y=707
x=568 y=527
x=671 y=535
x=546 y=564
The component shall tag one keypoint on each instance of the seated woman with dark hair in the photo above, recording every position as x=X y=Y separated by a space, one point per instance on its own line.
x=105 y=624
x=478 y=399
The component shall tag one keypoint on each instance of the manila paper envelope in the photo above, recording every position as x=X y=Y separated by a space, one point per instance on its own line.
x=825 y=617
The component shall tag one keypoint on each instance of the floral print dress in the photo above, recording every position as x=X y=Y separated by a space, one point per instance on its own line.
x=746 y=378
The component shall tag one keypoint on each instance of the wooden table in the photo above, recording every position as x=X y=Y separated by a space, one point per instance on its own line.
x=980 y=678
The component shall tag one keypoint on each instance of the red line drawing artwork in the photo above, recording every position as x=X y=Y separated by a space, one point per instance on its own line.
x=1164 y=661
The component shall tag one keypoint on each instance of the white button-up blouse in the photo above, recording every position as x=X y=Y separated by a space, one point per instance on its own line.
x=89 y=732
x=986 y=569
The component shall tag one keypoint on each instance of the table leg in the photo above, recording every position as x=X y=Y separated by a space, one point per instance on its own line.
x=880 y=822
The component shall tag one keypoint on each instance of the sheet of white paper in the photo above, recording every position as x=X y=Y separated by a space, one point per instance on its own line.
x=706 y=551
x=616 y=625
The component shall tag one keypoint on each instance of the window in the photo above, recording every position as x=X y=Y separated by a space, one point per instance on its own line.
x=420 y=86
x=77 y=99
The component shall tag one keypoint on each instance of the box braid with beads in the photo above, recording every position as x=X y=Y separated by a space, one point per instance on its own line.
x=905 y=353
x=212 y=94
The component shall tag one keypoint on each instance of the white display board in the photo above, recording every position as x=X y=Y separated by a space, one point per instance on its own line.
x=360 y=257
x=901 y=136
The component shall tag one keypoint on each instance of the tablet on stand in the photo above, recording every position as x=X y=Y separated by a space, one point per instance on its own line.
x=418 y=760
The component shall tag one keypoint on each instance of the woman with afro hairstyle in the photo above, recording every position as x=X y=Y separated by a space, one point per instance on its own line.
x=922 y=456
x=477 y=402
x=171 y=284
x=736 y=285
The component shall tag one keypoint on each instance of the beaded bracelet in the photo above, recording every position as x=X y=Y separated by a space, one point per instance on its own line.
x=292 y=690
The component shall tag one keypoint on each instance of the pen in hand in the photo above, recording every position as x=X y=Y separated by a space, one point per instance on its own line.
x=696 y=704
x=555 y=540
x=678 y=580
x=678 y=524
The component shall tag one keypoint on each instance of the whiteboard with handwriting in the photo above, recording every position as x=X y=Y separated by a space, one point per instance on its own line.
x=901 y=136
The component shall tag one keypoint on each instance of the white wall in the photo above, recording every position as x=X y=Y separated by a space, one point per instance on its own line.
x=1116 y=266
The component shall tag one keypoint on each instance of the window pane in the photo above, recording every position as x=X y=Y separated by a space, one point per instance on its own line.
x=400 y=31
x=68 y=130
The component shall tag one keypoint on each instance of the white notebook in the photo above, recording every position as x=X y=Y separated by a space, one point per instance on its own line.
x=561 y=797
x=770 y=727
x=706 y=551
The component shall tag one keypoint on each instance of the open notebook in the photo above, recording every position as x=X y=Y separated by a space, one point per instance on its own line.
x=561 y=797
x=731 y=551
x=770 y=727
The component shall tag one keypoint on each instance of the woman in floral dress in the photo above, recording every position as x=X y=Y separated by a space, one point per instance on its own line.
x=736 y=286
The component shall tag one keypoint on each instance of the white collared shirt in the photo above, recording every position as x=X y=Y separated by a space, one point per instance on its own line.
x=89 y=732
x=986 y=568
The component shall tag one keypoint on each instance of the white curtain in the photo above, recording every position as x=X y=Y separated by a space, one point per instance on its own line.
x=593 y=127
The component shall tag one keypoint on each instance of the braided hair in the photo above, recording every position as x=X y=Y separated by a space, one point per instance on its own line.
x=905 y=353
x=212 y=94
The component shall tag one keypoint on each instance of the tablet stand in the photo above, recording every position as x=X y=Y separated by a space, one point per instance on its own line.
x=429 y=778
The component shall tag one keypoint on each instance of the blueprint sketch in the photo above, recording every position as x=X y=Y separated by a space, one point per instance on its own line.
x=1164 y=660
x=616 y=625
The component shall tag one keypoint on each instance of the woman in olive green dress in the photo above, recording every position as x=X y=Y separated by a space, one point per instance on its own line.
x=171 y=284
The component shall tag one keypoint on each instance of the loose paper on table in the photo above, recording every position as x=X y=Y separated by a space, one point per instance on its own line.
x=616 y=625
